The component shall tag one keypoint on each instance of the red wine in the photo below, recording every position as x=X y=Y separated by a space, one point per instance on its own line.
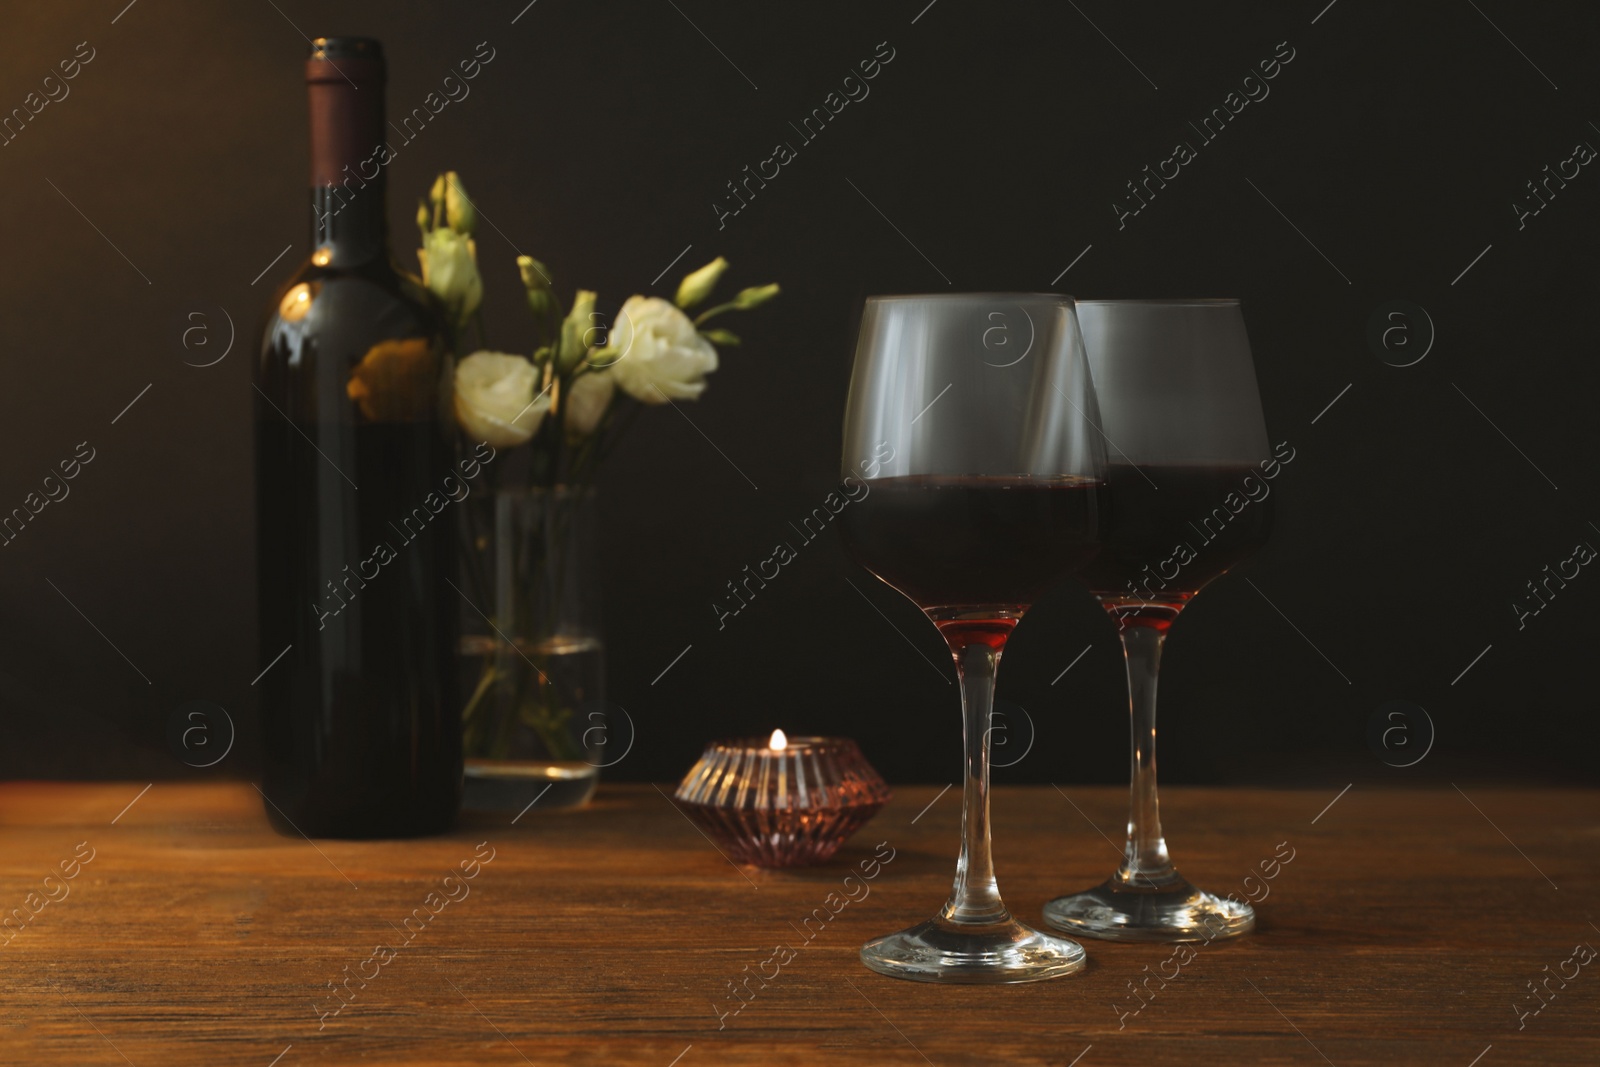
x=1172 y=529
x=973 y=545
x=361 y=729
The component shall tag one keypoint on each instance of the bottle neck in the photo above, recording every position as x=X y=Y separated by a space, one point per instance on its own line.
x=349 y=224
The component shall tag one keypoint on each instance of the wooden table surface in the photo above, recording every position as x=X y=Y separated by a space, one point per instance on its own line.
x=180 y=930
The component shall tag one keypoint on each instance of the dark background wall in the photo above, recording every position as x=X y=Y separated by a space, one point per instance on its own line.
x=989 y=154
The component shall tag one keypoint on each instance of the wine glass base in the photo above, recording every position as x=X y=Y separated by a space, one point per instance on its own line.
x=937 y=951
x=1116 y=911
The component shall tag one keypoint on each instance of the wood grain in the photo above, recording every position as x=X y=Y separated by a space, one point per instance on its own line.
x=1403 y=931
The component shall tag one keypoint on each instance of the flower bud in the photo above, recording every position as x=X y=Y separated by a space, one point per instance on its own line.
x=458 y=210
x=755 y=296
x=450 y=271
x=578 y=331
x=697 y=286
x=534 y=276
x=536 y=282
x=544 y=307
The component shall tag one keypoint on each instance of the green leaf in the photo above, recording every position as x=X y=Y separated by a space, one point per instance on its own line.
x=720 y=337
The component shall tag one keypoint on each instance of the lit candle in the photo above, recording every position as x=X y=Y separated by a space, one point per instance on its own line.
x=787 y=802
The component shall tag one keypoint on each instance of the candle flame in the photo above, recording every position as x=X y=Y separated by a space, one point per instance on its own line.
x=779 y=742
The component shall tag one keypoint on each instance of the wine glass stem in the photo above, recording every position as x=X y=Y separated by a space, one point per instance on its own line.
x=975 y=898
x=1145 y=860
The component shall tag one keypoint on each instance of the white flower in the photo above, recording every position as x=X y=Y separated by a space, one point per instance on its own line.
x=656 y=353
x=587 y=399
x=450 y=269
x=495 y=399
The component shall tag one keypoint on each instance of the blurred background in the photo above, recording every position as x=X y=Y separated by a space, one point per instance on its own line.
x=1385 y=163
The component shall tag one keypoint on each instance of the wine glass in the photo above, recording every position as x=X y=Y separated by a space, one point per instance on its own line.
x=1190 y=474
x=975 y=480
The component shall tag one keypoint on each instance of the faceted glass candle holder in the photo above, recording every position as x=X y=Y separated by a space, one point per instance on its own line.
x=782 y=807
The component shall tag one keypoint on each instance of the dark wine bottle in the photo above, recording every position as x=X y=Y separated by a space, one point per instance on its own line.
x=361 y=731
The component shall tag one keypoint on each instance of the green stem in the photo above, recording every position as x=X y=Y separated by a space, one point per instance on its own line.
x=719 y=309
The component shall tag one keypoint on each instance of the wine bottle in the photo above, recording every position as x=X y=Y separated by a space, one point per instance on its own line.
x=361 y=731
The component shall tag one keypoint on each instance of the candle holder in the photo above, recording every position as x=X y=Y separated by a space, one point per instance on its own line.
x=784 y=802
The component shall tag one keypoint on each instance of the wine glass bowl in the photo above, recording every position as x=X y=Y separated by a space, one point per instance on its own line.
x=1189 y=469
x=984 y=487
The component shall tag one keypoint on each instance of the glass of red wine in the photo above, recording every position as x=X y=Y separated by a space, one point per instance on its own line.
x=1190 y=473
x=976 y=480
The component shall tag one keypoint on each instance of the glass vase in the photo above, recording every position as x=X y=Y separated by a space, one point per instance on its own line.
x=534 y=717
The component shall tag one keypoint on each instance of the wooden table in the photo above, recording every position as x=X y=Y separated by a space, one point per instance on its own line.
x=1404 y=930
